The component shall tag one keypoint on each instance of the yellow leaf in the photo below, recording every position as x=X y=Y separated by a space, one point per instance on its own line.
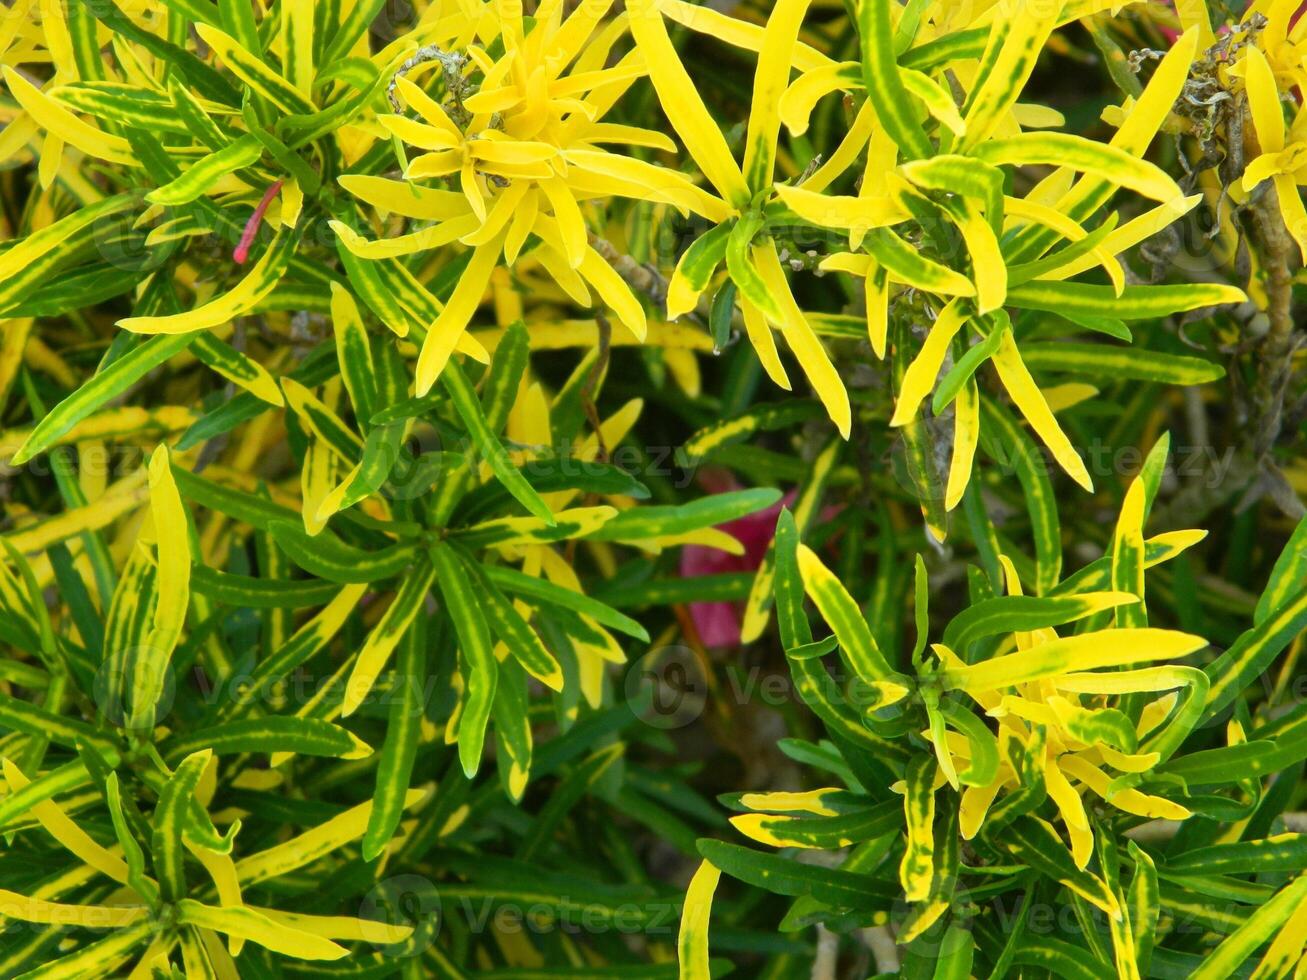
x=764 y=344
x=241 y=298
x=15 y=906
x=966 y=435
x=66 y=832
x=812 y=357
x=55 y=119
x=448 y=327
x=692 y=941
x=681 y=102
x=924 y=369
x=1030 y=402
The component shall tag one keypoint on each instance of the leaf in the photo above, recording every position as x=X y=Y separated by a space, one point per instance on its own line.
x=906 y=264
x=744 y=274
x=692 y=940
x=58 y=121
x=1259 y=927
x=387 y=634
x=273 y=734
x=1281 y=852
x=840 y=830
x=1143 y=906
x=1034 y=842
x=1128 y=556
x=399 y=751
x=812 y=681
x=1223 y=766
x=667 y=520
x=24 y=909
x=253 y=71
x=1079 y=153
x=1020 y=613
x=679 y=97
x=19 y=716
x=1027 y=29
x=245 y=923
x=303 y=849
x=236 y=367
x=306 y=641
x=769 y=84
x=802 y=340
x=478 y=659
x=172 y=594
x=63 y=779
x=1287 y=577
x=925 y=367
x=247 y=592
x=326 y=556
x=845 y=619
x=1030 y=401
x=1106 y=648
x=98 y=958
x=354 y=354
x=881 y=77
x=43 y=242
x=54 y=820
x=169 y=821
x=487 y=445
x=514 y=631
x=694 y=269
x=1134 y=303
x=782 y=876
x=241 y=298
x=549 y=593
x=546 y=475
x=1253 y=652
x=806 y=509
x=1100 y=360
x=1017 y=450
x=917 y=869
x=200 y=176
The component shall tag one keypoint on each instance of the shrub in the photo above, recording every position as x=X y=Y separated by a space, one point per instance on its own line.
x=412 y=522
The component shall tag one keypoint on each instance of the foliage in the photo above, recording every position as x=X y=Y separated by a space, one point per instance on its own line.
x=400 y=503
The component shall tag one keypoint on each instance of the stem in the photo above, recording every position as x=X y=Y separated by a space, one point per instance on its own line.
x=252 y=226
x=1276 y=256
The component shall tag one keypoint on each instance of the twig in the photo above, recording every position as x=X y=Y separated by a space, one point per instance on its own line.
x=883 y=948
x=452 y=64
x=828 y=952
x=1154 y=832
x=638 y=275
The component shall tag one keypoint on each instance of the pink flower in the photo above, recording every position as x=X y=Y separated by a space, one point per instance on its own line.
x=718 y=623
x=252 y=226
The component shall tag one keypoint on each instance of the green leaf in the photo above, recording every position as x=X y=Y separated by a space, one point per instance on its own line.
x=169 y=821
x=275 y=733
x=880 y=75
x=1287 y=577
x=103 y=387
x=513 y=630
x=326 y=556
x=487 y=445
x=544 y=591
x=782 y=876
x=477 y=663
x=1022 y=613
x=207 y=171
x=399 y=750
x=1253 y=652
x=640 y=523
